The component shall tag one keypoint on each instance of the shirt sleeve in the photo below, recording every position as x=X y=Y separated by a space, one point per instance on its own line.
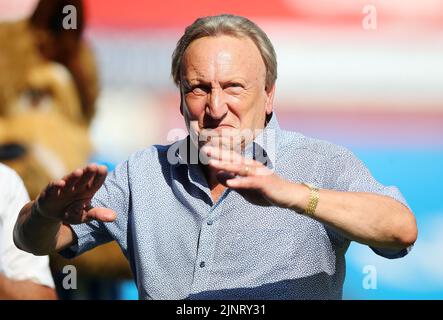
x=352 y=175
x=113 y=194
x=15 y=263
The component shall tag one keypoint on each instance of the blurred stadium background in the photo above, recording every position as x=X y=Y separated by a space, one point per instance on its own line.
x=378 y=92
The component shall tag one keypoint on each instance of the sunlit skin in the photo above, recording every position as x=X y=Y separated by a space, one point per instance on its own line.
x=223 y=85
x=223 y=88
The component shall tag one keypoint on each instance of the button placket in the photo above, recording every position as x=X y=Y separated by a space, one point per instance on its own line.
x=204 y=259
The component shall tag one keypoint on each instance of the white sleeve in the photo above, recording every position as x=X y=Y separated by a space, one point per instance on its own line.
x=14 y=263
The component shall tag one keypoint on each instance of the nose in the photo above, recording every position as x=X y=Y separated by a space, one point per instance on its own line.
x=11 y=151
x=216 y=106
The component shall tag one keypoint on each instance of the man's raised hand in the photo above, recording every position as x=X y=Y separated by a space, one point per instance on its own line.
x=69 y=199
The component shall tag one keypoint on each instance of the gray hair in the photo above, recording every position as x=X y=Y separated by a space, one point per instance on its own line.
x=226 y=24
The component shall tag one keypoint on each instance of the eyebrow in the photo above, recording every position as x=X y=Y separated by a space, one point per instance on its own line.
x=199 y=80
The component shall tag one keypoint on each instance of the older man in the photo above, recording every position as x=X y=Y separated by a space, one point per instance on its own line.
x=267 y=216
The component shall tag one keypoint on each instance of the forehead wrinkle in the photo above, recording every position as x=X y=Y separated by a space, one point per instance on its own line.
x=195 y=69
x=223 y=60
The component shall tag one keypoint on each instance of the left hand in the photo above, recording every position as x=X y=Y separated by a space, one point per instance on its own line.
x=257 y=183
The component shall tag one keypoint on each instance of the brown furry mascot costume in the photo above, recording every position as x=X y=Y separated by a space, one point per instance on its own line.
x=48 y=88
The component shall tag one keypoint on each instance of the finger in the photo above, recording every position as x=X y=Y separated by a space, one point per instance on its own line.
x=225 y=155
x=72 y=179
x=49 y=197
x=242 y=169
x=222 y=176
x=228 y=155
x=243 y=183
x=248 y=168
x=102 y=214
x=227 y=142
x=53 y=189
x=88 y=175
x=99 y=178
x=234 y=168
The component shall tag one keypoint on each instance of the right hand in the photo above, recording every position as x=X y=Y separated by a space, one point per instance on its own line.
x=69 y=200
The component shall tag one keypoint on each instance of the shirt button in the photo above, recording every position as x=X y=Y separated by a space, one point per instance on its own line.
x=210 y=222
x=202 y=264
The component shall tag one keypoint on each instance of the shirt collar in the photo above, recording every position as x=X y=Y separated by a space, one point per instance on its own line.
x=265 y=145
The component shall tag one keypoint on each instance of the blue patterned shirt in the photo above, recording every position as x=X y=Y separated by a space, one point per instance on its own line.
x=180 y=244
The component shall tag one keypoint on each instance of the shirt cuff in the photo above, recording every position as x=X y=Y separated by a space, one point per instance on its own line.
x=392 y=253
x=88 y=237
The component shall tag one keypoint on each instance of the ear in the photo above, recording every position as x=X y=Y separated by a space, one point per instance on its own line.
x=182 y=98
x=269 y=106
x=59 y=25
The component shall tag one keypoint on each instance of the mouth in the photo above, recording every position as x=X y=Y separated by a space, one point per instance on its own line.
x=218 y=127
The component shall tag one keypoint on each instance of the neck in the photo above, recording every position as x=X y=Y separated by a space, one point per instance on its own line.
x=211 y=177
x=216 y=187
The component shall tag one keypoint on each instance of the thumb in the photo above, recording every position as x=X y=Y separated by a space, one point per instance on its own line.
x=102 y=214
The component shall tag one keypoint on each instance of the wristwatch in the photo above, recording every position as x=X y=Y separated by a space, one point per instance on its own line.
x=313 y=199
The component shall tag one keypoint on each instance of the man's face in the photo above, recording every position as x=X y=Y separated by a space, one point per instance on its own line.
x=223 y=86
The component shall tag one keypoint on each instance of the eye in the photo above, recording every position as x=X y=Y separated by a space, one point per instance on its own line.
x=36 y=99
x=199 y=89
x=234 y=88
